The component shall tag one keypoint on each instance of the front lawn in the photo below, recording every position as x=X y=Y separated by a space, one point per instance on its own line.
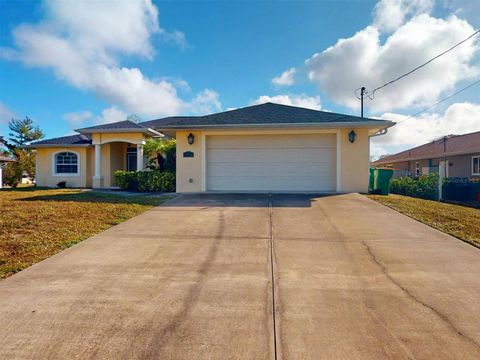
x=37 y=223
x=459 y=221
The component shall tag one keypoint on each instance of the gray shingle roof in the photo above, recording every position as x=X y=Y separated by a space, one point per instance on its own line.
x=263 y=114
x=447 y=145
x=126 y=124
x=66 y=140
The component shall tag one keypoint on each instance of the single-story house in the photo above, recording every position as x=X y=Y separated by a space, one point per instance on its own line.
x=267 y=147
x=459 y=155
x=3 y=160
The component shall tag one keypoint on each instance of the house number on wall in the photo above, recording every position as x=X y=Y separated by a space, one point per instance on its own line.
x=188 y=154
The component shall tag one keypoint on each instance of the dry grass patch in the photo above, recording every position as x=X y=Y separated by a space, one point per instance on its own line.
x=459 y=221
x=37 y=223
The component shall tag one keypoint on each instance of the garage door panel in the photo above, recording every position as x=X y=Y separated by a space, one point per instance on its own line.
x=300 y=162
x=284 y=170
x=247 y=183
x=275 y=142
x=269 y=155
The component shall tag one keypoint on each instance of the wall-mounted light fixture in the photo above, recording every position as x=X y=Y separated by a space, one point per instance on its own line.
x=351 y=136
x=191 y=138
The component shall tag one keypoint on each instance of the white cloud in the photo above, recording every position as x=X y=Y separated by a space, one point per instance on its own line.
x=5 y=114
x=77 y=118
x=459 y=118
x=205 y=102
x=82 y=42
x=302 y=100
x=111 y=114
x=286 y=78
x=363 y=60
x=390 y=14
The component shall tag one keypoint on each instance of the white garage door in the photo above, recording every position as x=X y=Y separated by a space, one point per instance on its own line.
x=301 y=162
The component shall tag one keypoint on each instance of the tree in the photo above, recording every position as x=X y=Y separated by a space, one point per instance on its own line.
x=163 y=151
x=22 y=132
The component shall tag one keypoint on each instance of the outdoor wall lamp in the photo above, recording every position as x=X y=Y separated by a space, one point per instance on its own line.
x=191 y=138
x=351 y=136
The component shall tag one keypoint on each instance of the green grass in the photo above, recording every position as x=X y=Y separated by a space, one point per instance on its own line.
x=37 y=223
x=459 y=221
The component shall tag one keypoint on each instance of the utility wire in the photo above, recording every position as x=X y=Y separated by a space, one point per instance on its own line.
x=440 y=101
x=426 y=63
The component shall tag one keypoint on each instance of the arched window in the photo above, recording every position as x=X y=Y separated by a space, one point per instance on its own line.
x=66 y=163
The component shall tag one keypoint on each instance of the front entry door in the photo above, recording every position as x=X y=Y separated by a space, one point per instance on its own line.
x=131 y=159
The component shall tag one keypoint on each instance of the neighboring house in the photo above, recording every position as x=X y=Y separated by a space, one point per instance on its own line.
x=268 y=147
x=458 y=154
x=3 y=160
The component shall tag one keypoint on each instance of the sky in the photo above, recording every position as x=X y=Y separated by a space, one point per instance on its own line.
x=72 y=64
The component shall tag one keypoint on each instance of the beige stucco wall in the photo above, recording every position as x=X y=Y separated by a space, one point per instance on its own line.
x=113 y=158
x=133 y=138
x=189 y=168
x=45 y=168
x=354 y=159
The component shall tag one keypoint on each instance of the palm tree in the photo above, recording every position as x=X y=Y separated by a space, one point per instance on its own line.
x=162 y=150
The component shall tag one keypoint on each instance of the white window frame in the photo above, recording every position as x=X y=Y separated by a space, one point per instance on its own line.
x=473 y=158
x=417 y=168
x=54 y=163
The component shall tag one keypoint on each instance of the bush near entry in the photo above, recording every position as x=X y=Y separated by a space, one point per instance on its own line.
x=163 y=181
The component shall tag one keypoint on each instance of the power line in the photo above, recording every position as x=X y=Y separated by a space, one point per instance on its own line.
x=440 y=101
x=424 y=64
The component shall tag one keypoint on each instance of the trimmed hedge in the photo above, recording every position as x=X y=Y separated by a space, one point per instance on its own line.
x=156 y=181
x=163 y=181
x=126 y=180
x=425 y=187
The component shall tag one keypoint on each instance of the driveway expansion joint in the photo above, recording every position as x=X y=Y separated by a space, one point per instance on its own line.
x=272 y=270
x=443 y=317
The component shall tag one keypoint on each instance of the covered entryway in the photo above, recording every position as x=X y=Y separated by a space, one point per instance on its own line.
x=276 y=162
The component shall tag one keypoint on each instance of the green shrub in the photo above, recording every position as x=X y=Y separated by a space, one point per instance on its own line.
x=156 y=181
x=126 y=180
x=425 y=187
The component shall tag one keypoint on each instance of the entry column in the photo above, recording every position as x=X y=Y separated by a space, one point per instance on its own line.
x=139 y=157
x=97 y=178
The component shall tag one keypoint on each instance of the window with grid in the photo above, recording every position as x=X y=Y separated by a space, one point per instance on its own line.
x=476 y=165
x=66 y=163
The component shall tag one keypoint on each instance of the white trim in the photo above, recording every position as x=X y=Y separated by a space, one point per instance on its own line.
x=54 y=165
x=285 y=126
x=270 y=132
x=476 y=157
x=129 y=141
x=339 y=161
x=203 y=164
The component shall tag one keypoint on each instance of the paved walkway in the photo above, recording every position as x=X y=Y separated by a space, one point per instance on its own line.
x=195 y=279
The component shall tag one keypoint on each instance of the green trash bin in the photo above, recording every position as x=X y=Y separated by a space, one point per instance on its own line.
x=371 y=180
x=381 y=181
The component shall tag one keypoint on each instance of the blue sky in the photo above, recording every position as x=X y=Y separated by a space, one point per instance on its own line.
x=200 y=57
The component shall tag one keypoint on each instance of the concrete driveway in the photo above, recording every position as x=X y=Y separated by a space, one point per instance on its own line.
x=195 y=279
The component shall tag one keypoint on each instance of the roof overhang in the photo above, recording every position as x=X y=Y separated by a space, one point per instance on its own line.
x=147 y=131
x=38 y=146
x=377 y=124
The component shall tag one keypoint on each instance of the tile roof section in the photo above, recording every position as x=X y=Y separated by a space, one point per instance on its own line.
x=66 y=140
x=451 y=144
x=263 y=114
x=126 y=124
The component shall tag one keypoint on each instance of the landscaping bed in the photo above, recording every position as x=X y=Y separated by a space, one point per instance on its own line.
x=37 y=223
x=459 y=221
